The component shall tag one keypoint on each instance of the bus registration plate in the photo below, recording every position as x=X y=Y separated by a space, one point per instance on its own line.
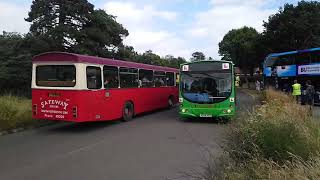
x=205 y=115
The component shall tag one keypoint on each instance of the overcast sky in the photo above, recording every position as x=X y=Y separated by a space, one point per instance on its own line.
x=176 y=27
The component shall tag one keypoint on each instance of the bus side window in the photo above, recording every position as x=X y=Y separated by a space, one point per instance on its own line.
x=303 y=58
x=315 y=57
x=145 y=78
x=110 y=76
x=170 y=78
x=94 y=77
x=128 y=77
x=159 y=79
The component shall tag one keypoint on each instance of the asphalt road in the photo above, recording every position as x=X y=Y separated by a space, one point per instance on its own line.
x=151 y=147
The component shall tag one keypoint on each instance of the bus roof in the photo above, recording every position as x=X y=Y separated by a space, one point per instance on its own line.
x=293 y=52
x=71 y=57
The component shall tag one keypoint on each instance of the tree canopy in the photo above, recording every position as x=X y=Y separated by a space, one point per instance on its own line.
x=293 y=27
x=198 y=56
x=59 y=22
x=75 y=26
x=238 y=46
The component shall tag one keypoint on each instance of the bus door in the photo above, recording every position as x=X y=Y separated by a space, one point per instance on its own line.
x=95 y=94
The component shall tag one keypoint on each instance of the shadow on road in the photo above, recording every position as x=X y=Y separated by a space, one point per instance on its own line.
x=71 y=127
x=81 y=127
x=206 y=120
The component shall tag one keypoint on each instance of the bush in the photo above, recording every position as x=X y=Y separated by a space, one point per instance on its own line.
x=279 y=140
x=267 y=169
x=277 y=130
x=15 y=112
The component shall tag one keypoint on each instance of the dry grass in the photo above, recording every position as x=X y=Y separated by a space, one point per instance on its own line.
x=278 y=141
x=15 y=112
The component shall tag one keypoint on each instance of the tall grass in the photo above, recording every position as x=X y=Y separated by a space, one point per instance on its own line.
x=15 y=112
x=279 y=140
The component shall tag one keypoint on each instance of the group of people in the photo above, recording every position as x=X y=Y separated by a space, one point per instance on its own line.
x=309 y=93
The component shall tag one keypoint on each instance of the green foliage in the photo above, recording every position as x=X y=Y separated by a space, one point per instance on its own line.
x=15 y=63
x=293 y=27
x=15 y=112
x=277 y=141
x=75 y=27
x=239 y=46
x=59 y=21
x=198 y=56
x=100 y=33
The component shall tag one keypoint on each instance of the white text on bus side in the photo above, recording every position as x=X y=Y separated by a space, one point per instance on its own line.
x=54 y=102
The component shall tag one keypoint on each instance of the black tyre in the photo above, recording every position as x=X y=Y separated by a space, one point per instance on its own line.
x=128 y=111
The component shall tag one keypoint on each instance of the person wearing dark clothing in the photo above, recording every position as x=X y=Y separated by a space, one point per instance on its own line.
x=310 y=92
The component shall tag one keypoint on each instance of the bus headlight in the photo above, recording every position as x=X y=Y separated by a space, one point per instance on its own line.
x=229 y=110
x=181 y=100
x=183 y=110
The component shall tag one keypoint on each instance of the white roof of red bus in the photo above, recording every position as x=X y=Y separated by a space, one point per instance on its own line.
x=70 y=57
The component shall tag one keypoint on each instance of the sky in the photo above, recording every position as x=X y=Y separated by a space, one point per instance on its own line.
x=175 y=27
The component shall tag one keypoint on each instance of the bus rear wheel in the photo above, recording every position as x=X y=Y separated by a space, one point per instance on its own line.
x=127 y=112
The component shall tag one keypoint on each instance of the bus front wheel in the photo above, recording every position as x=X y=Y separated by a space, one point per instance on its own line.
x=128 y=111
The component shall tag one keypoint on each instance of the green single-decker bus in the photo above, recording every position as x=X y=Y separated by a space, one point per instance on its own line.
x=207 y=90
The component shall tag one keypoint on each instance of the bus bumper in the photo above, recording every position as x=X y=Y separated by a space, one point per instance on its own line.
x=207 y=113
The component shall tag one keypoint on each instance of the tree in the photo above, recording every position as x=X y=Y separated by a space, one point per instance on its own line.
x=100 y=35
x=75 y=26
x=15 y=64
x=238 y=46
x=59 y=21
x=293 y=27
x=126 y=53
x=149 y=57
x=173 y=61
x=198 y=56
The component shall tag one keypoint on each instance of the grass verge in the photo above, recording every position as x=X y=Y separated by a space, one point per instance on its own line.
x=15 y=112
x=279 y=140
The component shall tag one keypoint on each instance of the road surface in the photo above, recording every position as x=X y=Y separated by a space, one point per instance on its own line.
x=151 y=147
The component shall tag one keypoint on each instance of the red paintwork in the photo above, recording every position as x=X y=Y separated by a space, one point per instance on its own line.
x=93 y=103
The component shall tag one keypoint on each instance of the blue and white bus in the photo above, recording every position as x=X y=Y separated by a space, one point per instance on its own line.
x=280 y=69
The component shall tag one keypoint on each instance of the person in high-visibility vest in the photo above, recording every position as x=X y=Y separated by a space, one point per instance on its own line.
x=296 y=90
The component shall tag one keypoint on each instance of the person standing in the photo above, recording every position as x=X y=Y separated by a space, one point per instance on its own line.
x=258 y=85
x=310 y=92
x=296 y=90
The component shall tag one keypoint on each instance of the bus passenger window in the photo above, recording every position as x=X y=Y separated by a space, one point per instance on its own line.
x=94 y=77
x=110 y=77
x=315 y=57
x=145 y=78
x=159 y=79
x=285 y=60
x=303 y=58
x=170 y=78
x=128 y=77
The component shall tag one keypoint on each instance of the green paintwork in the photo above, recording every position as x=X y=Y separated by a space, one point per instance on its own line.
x=194 y=110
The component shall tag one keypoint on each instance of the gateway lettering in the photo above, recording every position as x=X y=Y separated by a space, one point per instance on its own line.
x=54 y=102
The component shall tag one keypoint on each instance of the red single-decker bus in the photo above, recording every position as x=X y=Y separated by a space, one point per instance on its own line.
x=80 y=88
